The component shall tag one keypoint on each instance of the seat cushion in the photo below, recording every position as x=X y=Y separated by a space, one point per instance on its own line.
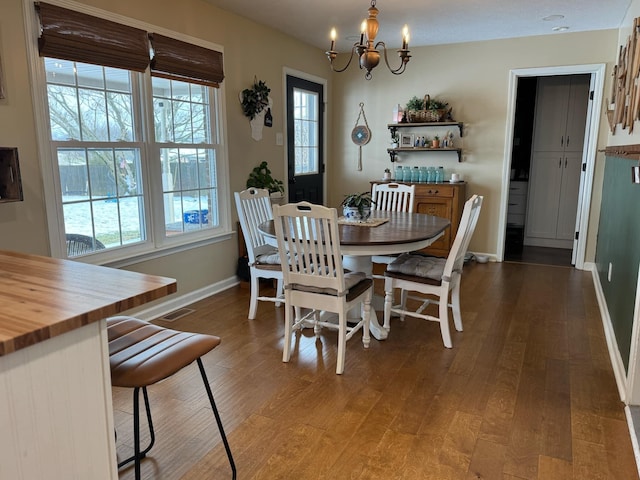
x=417 y=265
x=270 y=258
x=141 y=353
x=351 y=279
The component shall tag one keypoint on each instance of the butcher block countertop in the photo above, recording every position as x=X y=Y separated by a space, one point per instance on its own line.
x=43 y=297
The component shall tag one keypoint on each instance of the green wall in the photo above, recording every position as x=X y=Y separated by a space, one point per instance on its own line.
x=618 y=242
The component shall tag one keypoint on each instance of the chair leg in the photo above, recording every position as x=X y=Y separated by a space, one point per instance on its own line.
x=366 y=315
x=455 y=306
x=279 y=290
x=388 y=301
x=139 y=455
x=218 y=420
x=288 y=326
x=403 y=302
x=443 y=314
x=342 y=341
x=255 y=291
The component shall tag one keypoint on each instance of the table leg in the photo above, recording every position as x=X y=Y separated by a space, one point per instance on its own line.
x=362 y=263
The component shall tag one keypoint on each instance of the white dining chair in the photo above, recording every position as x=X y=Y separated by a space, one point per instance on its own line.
x=254 y=208
x=433 y=277
x=391 y=197
x=309 y=244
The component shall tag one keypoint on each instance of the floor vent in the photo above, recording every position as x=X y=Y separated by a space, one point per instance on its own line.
x=170 y=317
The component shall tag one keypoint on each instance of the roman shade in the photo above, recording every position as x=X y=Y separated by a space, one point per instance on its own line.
x=183 y=61
x=75 y=36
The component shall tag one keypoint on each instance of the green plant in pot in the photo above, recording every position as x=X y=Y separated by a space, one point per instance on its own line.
x=255 y=99
x=415 y=103
x=260 y=177
x=357 y=206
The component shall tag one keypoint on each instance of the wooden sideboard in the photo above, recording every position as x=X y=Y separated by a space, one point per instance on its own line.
x=444 y=200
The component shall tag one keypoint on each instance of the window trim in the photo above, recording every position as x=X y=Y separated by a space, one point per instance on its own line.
x=154 y=246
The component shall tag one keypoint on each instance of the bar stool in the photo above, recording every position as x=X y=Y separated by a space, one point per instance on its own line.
x=141 y=354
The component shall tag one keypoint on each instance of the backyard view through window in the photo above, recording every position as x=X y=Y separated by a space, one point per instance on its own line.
x=305 y=114
x=105 y=167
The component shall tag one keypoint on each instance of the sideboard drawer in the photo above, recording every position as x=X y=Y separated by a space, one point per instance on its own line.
x=436 y=190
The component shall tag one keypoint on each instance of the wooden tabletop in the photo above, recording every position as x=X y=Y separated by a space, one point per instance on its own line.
x=400 y=229
x=42 y=297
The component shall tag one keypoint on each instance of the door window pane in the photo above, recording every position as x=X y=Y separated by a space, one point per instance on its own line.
x=305 y=112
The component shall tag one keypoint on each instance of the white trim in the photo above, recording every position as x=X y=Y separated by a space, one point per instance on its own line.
x=634 y=438
x=589 y=155
x=633 y=375
x=609 y=334
x=175 y=302
x=325 y=93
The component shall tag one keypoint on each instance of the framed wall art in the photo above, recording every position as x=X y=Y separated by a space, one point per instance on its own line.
x=406 y=140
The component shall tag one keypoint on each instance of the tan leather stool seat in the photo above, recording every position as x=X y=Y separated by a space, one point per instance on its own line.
x=142 y=354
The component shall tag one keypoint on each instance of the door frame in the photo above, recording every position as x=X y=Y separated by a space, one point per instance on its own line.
x=286 y=71
x=597 y=72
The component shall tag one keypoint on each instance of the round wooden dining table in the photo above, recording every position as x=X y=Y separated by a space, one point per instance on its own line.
x=386 y=233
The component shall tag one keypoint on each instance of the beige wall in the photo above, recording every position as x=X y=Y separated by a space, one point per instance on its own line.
x=249 y=51
x=473 y=78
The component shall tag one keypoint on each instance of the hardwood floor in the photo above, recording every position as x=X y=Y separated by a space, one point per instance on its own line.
x=526 y=392
x=540 y=255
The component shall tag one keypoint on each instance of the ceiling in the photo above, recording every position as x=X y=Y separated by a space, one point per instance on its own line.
x=430 y=22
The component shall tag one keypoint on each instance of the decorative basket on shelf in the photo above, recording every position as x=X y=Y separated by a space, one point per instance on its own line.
x=426 y=111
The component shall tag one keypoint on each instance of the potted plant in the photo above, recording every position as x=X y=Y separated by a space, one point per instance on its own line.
x=435 y=143
x=357 y=206
x=255 y=99
x=260 y=177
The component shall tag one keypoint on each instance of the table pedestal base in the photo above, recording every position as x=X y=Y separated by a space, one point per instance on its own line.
x=362 y=263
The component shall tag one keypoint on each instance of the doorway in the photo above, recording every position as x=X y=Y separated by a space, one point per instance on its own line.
x=569 y=248
x=305 y=139
x=546 y=158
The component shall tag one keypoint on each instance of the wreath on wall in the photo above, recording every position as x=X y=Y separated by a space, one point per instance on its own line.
x=255 y=99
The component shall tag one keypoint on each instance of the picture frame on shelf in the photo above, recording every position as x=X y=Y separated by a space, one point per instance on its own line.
x=406 y=140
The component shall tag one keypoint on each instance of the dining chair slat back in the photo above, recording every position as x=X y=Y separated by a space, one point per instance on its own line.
x=392 y=197
x=314 y=279
x=254 y=207
x=434 y=277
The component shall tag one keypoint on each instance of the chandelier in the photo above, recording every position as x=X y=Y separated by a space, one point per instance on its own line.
x=367 y=49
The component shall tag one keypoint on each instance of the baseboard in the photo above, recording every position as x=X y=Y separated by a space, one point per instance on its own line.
x=180 y=301
x=614 y=353
x=634 y=436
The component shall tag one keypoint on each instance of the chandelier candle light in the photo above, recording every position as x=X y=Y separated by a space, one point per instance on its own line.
x=367 y=51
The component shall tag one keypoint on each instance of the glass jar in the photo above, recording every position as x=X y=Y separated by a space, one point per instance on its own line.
x=423 y=175
x=398 y=176
x=440 y=175
x=431 y=175
x=415 y=175
x=406 y=174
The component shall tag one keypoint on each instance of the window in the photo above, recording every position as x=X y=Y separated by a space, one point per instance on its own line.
x=305 y=114
x=98 y=152
x=136 y=153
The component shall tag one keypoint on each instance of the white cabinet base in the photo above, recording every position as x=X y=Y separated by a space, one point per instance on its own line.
x=56 y=413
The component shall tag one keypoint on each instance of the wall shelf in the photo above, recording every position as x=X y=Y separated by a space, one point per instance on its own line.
x=393 y=152
x=394 y=127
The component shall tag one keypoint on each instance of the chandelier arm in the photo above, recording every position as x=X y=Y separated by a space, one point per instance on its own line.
x=404 y=58
x=332 y=54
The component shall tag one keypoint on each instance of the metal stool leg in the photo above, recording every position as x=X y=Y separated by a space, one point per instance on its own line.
x=218 y=420
x=138 y=455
